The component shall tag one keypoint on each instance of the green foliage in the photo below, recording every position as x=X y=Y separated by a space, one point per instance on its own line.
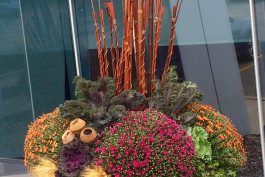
x=131 y=99
x=97 y=103
x=98 y=93
x=202 y=145
x=187 y=117
x=205 y=165
x=226 y=143
x=208 y=171
x=117 y=111
x=203 y=149
x=75 y=108
x=171 y=96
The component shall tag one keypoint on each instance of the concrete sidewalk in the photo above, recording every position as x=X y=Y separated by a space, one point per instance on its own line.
x=13 y=170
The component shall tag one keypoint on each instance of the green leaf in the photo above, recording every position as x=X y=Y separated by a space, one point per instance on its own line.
x=171 y=95
x=202 y=145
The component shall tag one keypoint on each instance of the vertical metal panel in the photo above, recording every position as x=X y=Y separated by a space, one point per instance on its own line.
x=74 y=39
x=257 y=74
x=27 y=62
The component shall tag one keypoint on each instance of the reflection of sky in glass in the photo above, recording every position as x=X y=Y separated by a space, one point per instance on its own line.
x=241 y=29
x=10 y=28
x=9 y=4
x=260 y=20
x=238 y=11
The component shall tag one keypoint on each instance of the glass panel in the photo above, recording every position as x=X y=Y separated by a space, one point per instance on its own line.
x=50 y=62
x=239 y=17
x=241 y=27
x=209 y=57
x=15 y=101
x=50 y=68
x=240 y=21
x=260 y=20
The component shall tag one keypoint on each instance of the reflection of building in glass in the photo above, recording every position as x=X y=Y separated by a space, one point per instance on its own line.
x=238 y=11
x=205 y=39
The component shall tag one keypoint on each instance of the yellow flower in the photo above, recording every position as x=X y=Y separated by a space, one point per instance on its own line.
x=94 y=172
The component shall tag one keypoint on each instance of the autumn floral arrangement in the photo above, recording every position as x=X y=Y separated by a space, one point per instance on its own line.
x=159 y=127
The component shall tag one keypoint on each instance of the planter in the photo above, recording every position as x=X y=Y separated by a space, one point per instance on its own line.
x=68 y=137
x=88 y=135
x=77 y=125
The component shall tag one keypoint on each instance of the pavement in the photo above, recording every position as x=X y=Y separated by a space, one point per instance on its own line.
x=13 y=170
x=249 y=86
x=252 y=109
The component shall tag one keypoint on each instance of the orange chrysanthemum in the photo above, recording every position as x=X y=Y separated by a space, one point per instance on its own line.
x=227 y=143
x=44 y=138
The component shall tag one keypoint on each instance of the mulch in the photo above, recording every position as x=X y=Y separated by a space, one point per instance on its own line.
x=253 y=167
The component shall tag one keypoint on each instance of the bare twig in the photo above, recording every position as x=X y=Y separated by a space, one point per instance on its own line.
x=128 y=58
x=150 y=45
x=109 y=7
x=158 y=24
x=138 y=15
x=176 y=11
x=105 y=56
x=141 y=49
x=97 y=34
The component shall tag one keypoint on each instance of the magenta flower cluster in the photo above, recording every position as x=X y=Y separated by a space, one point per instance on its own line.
x=146 y=143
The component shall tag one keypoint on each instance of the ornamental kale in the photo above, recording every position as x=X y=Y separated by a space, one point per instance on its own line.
x=74 y=158
x=171 y=96
x=97 y=103
x=202 y=145
x=203 y=149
